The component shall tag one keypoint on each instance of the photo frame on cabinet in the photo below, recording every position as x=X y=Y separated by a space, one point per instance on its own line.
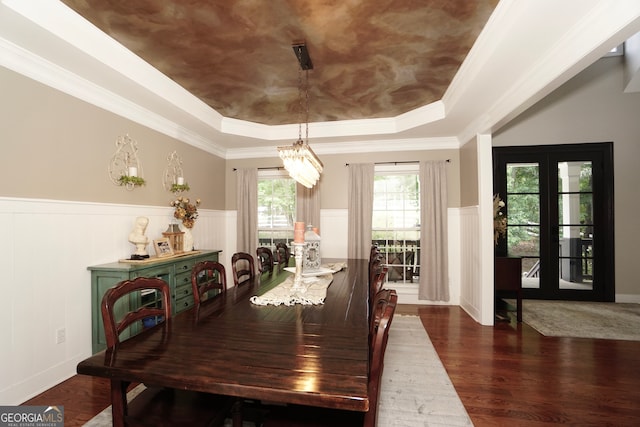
x=162 y=247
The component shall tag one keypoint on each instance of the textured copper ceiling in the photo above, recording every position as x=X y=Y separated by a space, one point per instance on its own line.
x=371 y=59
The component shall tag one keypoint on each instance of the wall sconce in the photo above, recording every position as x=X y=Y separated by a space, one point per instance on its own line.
x=125 y=168
x=173 y=177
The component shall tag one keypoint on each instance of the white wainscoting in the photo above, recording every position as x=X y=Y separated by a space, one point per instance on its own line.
x=470 y=271
x=46 y=249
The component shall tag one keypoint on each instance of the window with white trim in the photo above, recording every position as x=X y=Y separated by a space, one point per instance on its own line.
x=276 y=207
x=396 y=220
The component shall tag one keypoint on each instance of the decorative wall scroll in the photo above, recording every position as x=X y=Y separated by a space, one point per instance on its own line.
x=125 y=168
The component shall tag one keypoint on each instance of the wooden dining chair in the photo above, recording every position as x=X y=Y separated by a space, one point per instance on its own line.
x=300 y=415
x=243 y=268
x=208 y=279
x=375 y=267
x=375 y=286
x=265 y=260
x=155 y=406
x=382 y=299
x=283 y=254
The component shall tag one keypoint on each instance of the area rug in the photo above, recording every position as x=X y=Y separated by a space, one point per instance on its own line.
x=615 y=321
x=415 y=389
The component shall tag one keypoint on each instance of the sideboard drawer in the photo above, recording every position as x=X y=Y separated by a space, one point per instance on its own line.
x=185 y=266
x=184 y=303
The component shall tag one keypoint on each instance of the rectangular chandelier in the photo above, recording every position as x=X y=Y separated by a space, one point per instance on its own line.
x=299 y=159
x=301 y=162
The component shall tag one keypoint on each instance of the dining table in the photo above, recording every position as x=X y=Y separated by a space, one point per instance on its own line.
x=315 y=354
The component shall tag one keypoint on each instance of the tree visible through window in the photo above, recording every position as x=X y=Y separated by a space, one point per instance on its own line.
x=396 y=220
x=276 y=208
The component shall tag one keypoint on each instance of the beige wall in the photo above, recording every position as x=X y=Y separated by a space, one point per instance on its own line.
x=333 y=182
x=469 y=174
x=592 y=107
x=57 y=147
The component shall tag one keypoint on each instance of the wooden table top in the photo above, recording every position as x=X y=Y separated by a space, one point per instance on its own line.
x=312 y=355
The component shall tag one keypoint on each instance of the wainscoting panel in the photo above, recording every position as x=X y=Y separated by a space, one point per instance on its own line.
x=46 y=248
x=470 y=268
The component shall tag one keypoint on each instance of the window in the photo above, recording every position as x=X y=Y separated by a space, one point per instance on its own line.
x=276 y=207
x=396 y=220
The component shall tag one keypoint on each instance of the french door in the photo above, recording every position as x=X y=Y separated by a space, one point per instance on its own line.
x=559 y=209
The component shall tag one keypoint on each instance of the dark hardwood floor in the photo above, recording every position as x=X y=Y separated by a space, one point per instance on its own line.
x=508 y=374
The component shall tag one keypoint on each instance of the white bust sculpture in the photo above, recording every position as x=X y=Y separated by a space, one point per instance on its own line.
x=137 y=236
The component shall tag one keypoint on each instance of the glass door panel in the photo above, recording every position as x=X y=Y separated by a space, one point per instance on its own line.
x=575 y=225
x=523 y=219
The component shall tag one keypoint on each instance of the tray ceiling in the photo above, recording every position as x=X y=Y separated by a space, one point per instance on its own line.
x=371 y=59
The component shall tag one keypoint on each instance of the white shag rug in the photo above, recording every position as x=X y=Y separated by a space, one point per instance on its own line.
x=415 y=390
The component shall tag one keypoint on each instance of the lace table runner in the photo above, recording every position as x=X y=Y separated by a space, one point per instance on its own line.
x=312 y=292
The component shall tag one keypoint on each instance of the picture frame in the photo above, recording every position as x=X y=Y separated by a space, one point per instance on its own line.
x=162 y=247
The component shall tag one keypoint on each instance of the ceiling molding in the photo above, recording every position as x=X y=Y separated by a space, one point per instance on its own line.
x=355 y=147
x=511 y=66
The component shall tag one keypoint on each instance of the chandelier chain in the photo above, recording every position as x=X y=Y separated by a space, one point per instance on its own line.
x=306 y=92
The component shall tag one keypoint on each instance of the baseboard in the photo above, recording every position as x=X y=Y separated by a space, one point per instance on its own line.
x=628 y=298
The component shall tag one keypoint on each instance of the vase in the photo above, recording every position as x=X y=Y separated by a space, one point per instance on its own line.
x=187 y=239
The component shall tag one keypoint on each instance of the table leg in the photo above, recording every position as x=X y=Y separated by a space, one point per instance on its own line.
x=236 y=413
x=519 y=305
x=118 y=402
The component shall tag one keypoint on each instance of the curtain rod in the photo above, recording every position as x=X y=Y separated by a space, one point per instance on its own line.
x=399 y=163
x=266 y=169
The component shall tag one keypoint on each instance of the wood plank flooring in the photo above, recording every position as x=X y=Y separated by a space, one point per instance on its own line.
x=505 y=375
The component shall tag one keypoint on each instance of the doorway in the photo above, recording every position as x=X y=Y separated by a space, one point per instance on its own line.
x=559 y=208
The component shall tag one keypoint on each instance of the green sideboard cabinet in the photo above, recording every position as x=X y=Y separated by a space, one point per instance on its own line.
x=176 y=271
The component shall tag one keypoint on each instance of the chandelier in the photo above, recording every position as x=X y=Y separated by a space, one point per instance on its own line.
x=299 y=159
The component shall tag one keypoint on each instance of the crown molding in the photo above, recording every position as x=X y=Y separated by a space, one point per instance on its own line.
x=364 y=146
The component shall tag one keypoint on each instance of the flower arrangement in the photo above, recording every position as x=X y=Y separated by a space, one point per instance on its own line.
x=186 y=211
x=499 y=219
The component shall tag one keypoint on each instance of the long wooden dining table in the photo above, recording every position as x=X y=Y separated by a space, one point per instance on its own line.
x=313 y=355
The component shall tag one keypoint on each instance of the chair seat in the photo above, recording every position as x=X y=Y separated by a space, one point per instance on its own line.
x=298 y=415
x=169 y=407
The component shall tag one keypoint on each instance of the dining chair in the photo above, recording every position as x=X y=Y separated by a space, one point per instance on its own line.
x=375 y=262
x=155 y=406
x=382 y=299
x=208 y=279
x=243 y=268
x=283 y=254
x=376 y=284
x=300 y=415
x=265 y=260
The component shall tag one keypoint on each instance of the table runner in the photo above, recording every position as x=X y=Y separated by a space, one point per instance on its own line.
x=312 y=292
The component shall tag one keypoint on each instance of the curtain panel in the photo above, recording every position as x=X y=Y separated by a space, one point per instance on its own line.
x=308 y=205
x=247 y=208
x=360 y=210
x=434 y=283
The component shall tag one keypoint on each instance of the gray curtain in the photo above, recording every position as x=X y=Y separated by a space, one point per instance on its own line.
x=308 y=205
x=247 y=208
x=360 y=208
x=434 y=284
